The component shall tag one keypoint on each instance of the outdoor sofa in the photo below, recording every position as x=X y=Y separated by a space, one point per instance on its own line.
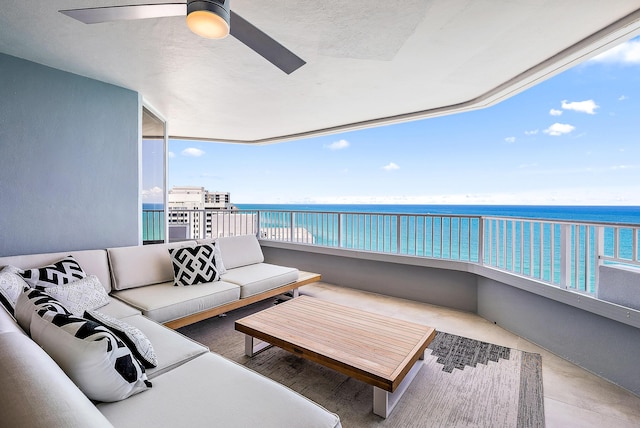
x=189 y=385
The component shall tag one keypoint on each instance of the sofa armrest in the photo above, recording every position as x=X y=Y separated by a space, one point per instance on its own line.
x=36 y=392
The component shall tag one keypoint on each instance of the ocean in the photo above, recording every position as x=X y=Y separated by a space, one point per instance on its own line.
x=590 y=214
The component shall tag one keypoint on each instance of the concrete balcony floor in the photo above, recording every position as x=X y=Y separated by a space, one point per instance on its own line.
x=573 y=397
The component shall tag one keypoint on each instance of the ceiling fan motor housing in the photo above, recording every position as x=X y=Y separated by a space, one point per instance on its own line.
x=219 y=7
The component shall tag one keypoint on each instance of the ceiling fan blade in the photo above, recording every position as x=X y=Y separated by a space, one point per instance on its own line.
x=97 y=15
x=264 y=45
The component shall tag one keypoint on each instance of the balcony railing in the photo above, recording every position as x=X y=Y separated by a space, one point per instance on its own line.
x=559 y=253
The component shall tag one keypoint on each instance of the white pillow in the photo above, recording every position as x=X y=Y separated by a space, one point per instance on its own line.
x=217 y=254
x=99 y=363
x=135 y=339
x=82 y=295
x=11 y=285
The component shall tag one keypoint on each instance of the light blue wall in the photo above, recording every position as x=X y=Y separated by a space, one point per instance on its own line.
x=68 y=161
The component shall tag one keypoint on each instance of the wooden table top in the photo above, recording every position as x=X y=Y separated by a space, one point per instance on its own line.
x=373 y=348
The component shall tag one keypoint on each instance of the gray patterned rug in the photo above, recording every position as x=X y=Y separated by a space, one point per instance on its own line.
x=463 y=382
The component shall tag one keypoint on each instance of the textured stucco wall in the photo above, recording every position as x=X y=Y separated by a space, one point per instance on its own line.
x=423 y=284
x=68 y=161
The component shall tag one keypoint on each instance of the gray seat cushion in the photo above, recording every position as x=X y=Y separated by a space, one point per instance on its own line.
x=232 y=395
x=259 y=277
x=118 y=309
x=171 y=347
x=141 y=265
x=166 y=302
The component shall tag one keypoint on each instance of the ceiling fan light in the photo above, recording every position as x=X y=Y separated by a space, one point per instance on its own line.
x=209 y=19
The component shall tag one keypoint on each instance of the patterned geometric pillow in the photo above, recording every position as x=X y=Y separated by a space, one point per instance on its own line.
x=11 y=285
x=99 y=363
x=61 y=272
x=194 y=265
x=32 y=300
x=136 y=340
x=82 y=295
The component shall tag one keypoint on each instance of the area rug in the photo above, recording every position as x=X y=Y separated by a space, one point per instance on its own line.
x=462 y=383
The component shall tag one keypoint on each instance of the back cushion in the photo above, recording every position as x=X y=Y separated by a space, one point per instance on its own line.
x=92 y=262
x=240 y=250
x=141 y=265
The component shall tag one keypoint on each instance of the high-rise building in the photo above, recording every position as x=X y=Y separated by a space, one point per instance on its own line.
x=203 y=214
x=199 y=198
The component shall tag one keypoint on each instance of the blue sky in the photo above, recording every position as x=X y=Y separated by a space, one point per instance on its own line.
x=571 y=140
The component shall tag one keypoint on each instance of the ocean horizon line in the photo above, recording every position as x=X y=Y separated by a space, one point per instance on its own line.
x=584 y=213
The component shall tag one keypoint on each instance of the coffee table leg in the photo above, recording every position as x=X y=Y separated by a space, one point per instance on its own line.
x=252 y=345
x=385 y=401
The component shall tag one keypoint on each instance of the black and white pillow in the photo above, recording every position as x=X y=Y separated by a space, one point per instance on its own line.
x=11 y=285
x=99 y=363
x=135 y=339
x=194 y=265
x=59 y=273
x=82 y=295
x=31 y=300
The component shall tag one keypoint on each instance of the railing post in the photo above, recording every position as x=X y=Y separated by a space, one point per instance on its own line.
x=398 y=234
x=257 y=224
x=565 y=256
x=598 y=253
x=339 y=230
x=481 y=241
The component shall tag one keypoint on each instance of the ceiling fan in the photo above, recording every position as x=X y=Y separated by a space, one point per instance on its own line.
x=207 y=18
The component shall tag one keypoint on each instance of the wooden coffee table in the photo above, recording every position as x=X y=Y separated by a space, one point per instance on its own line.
x=375 y=349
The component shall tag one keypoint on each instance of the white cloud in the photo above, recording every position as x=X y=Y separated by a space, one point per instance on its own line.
x=193 y=152
x=559 y=129
x=626 y=53
x=532 y=132
x=391 y=167
x=171 y=155
x=623 y=98
x=154 y=194
x=510 y=139
x=554 y=112
x=588 y=106
x=337 y=145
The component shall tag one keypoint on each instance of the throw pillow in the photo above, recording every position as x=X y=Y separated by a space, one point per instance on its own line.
x=11 y=285
x=31 y=300
x=61 y=272
x=217 y=255
x=135 y=339
x=79 y=296
x=194 y=265
x=99 y=363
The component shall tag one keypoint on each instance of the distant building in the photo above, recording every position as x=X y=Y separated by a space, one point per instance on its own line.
x=198 y=198
x=196 y=213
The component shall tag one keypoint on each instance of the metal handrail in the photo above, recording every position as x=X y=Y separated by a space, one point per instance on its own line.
x=562 y=253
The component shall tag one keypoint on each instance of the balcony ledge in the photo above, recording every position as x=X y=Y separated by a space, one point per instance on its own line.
x=572 y=298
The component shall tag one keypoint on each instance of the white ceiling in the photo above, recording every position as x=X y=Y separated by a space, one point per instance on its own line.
x=368 y=63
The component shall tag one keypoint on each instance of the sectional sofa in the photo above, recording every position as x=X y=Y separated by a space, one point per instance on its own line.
x=190 y=386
